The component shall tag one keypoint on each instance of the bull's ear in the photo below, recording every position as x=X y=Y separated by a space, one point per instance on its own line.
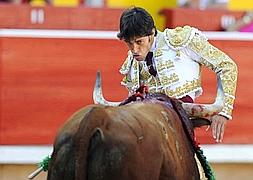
x=198 y=122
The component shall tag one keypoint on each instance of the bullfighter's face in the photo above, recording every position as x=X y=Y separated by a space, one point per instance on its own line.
x=140 y=46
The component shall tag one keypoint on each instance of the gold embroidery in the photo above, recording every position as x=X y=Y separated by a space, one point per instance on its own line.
x=131 y=79
x=169 y=80
x=178 y=36
x=158 y=53
x=219 y=62
x=124 y=80
x=144 y=75
x=151 y=82
x=198 y=43
x=166 y=65
x=229 y=100
x=184 y=89
x=135 y=80
x=178 y=29
x=177 y=53
x=206 y=64
x=161 y=41
x=125 y=68
x=135 y=65
x=229 y=86
x=227 y=111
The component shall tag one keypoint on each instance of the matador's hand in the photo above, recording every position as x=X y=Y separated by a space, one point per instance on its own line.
x=218 y=124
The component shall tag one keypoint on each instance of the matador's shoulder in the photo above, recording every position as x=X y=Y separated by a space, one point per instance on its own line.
x=180 y=37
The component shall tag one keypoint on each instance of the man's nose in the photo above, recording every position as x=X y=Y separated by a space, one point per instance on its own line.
x=135 y=48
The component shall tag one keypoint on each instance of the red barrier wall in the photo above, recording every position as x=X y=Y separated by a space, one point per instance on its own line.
x=43 y=81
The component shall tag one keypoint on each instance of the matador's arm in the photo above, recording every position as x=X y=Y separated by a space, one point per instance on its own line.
x=216 y=60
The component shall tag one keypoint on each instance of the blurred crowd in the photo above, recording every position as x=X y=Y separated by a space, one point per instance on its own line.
x=203 y=4
x=90 y=3
x=228 y=22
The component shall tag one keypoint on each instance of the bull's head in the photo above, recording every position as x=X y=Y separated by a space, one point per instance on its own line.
x=192 y=109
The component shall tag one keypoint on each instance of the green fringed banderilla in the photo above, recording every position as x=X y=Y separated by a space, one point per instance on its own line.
x=43 y=166
x=205 y=164
x=44 y=163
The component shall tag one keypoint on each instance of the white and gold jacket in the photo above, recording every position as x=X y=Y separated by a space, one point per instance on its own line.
x=178 y=56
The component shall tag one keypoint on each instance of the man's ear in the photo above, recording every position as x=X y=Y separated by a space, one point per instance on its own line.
x=152 y=35
x=149 y=38
x=153 y=31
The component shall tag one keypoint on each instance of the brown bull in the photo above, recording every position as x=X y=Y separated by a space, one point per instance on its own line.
x=138 y=141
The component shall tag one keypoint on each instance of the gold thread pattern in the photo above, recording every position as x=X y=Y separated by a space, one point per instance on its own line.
x=219 y=62
x=184 y=89
x=158 y=53
x=178 y=36
x=123 y=68
x=169 y=80
x=168 y=64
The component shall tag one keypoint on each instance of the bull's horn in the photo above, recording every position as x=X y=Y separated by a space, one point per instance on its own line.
x=206 y=110
x=98 y=97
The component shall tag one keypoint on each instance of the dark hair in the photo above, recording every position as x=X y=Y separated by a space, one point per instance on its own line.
x=135 y=22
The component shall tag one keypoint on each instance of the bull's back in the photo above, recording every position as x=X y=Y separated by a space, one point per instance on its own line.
x=142 y=141
x=163 y=125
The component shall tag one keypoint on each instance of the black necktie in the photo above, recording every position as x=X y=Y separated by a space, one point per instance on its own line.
x=148 y=60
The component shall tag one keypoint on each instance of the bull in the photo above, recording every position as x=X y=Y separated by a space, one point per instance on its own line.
x=143 y=140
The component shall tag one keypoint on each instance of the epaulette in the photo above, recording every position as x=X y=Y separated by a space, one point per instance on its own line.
x=179 y=37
